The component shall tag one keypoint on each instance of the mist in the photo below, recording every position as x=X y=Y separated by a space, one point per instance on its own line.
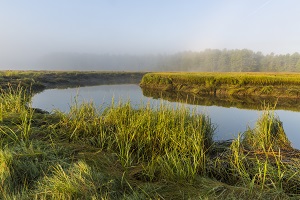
x=135 y=35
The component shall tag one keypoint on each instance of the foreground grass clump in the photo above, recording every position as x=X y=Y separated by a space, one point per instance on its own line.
x=12 y=100
x=79 y=181
x=167 y=141
x=262 y=159
x=268 y=134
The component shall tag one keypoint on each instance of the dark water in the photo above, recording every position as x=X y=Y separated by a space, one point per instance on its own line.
x=229 y=120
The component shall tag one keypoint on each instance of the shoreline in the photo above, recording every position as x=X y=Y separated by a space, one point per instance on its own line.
x=285 y=85
x=38 y=81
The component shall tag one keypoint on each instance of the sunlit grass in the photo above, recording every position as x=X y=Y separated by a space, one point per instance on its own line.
x=233 y=83
x=268 y=134
x=230 y=78
x=145 y=135
x=122 y=152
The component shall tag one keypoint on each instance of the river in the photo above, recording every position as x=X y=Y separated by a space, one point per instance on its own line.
x=229 y=120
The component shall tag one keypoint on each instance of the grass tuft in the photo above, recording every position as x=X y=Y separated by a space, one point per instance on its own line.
x=268 y=134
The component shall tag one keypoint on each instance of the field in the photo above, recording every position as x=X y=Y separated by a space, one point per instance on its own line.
x=229 y=84
x=145 y=153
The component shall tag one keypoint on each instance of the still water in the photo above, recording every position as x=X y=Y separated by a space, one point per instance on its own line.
x=229 y=121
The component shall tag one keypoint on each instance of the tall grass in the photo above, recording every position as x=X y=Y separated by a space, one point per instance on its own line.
x=268 y=134
x=12 y=100
x=215 y=79
x=258 y=160
x=145 y=136
x=15 y=104
x=233 y=84
x=123 y=152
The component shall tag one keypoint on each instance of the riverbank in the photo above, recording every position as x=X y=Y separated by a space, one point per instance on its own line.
x=144 y=153
x=286 y=85
x=40 y=80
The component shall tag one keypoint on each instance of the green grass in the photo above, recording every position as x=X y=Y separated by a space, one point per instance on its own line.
x=122 y=152
x=268 y=134
x=144 y=136
x=241 y=84
x=230 y=78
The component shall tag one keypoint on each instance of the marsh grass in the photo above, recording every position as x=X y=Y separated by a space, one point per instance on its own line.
x=216 y=78
x=13 y=100
x=267 y=135
x=231 y=84
x=126 y=152
x=15 y=103
x=79 y=181
x=161 y=139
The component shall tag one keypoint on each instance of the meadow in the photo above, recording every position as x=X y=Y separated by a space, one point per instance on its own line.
x=124 y=153
x=228 y=84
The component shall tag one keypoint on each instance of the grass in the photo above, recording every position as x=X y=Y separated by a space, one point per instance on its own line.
x=124 y=153
x=233 y=83
x=268 y=134
x=144 y=136
x=40 y=80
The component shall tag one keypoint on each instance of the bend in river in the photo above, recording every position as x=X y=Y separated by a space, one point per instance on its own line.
x=229 y=120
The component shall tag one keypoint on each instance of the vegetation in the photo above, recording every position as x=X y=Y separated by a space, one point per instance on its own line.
x=40 y=80
x=125 y=153
x=238 y=60
x=229 y=84
x=209 y=60
x=268 y=134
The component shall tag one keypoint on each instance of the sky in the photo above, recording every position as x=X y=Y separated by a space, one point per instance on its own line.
x=33 y=29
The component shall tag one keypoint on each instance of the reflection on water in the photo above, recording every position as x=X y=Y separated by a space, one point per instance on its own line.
x=229 y=115
x=254 y=102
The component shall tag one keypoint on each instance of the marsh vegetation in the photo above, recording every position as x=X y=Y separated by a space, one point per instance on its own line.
x=38 y=81
x=285 y=85
x=122 y=152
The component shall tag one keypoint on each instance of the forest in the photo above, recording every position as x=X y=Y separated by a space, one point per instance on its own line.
x=210 y=60
x=231 y=61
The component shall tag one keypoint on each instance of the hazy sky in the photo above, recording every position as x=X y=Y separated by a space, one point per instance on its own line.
x=31 y=29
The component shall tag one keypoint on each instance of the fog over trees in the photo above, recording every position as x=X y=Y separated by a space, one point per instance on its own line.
x=208 y=60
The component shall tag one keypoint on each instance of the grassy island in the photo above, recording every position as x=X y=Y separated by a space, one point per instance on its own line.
x=229 y=84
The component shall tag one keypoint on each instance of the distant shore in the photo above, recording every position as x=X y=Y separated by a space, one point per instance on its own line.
x=285 y=85
x=40 y=80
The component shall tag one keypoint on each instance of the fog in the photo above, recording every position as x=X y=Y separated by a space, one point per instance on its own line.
x=134 y=35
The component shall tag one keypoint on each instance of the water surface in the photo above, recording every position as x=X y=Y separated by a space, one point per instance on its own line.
x=229 y=120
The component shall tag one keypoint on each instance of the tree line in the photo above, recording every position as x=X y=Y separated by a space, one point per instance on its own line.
x=231 y=61
x=208 y=60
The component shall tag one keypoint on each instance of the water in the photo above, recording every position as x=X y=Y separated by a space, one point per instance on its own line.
x=229 y=121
